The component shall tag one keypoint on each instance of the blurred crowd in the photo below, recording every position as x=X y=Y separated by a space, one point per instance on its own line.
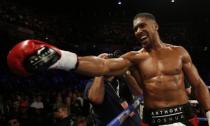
x=35 y=107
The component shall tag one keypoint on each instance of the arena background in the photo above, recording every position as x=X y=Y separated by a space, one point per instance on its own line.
x=90 y=27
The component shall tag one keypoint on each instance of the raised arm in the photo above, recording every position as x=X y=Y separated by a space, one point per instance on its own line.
x=199 y=87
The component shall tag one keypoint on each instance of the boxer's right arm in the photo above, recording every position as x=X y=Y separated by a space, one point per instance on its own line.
x=95 y=66
x=31 y=56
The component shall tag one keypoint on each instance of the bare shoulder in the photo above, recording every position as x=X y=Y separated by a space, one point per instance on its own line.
x=173 y=46
x=134 y=55
x=182 y=52
x=129 y=54
x=180 y=49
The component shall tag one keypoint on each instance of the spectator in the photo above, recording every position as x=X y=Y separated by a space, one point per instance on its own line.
x=107 y=99
x=63 y=117
x=13 y=121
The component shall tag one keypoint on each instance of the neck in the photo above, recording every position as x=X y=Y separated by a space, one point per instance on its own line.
x=156 y=44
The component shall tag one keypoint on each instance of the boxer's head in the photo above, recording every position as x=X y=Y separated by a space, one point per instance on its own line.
x=145 y=28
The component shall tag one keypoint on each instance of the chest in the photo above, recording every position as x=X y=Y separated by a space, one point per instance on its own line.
x=161 y=63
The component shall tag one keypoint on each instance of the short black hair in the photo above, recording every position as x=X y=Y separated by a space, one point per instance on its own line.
x=146 y=15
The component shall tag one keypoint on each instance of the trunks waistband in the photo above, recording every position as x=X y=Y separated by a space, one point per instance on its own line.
x=180 y=113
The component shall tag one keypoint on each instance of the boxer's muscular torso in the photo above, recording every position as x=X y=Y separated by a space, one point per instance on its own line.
x=161 y=76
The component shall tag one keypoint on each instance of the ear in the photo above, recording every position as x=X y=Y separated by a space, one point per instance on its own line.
x=156 y=26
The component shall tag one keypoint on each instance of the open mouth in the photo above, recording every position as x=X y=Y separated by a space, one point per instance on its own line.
x=142 y=38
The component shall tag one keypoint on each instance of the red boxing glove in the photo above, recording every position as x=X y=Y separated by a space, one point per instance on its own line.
x=31 y=56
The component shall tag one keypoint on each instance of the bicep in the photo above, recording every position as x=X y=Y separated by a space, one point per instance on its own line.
x=190 y=70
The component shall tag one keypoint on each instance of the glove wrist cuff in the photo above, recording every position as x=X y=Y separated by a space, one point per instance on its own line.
x=67 y=62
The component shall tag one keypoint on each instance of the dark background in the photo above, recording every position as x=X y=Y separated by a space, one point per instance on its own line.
x=96 y=26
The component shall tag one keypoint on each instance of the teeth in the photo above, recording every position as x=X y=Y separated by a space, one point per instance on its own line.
x=143 y=37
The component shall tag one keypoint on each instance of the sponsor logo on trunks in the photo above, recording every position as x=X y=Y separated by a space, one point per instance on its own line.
x=166 y=116
x=166 y=112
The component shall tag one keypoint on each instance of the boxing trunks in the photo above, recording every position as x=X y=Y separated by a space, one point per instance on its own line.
x=181 y=115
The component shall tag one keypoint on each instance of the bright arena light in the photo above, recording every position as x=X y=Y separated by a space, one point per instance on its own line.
x=119 y=2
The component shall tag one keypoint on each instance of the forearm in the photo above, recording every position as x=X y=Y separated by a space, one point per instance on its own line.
x=95 y=66
x=96 y=91
x=202 y=94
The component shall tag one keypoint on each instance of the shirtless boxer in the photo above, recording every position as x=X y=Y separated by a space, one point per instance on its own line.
x=158 y=67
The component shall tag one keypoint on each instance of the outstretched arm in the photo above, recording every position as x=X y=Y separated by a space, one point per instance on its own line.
x=95 y=66
x=32 y=56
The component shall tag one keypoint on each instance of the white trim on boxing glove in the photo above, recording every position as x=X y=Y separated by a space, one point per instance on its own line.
x=208 y=117
x=67 y=62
